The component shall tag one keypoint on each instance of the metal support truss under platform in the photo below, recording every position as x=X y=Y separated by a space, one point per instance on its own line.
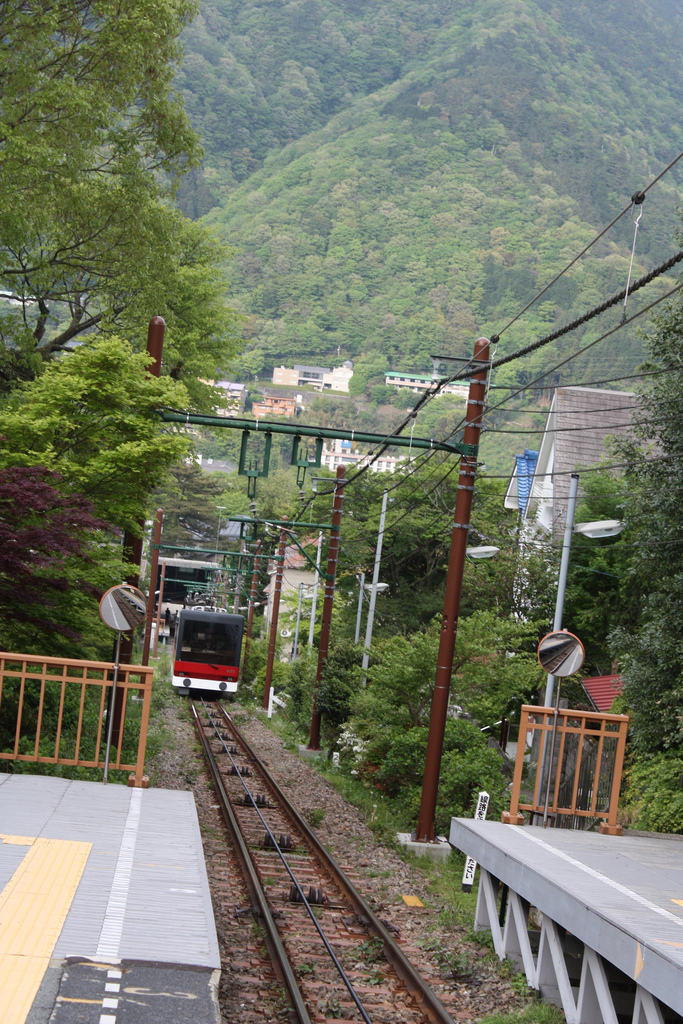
x=595 y=922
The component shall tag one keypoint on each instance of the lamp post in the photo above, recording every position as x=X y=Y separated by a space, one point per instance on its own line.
x=375 y=587
x=221 y=508
x=485 y=551
x=361 y=580
x=594 y=530
x=295 y=647
x=311 y=628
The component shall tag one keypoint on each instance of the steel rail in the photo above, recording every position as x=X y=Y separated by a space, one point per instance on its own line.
x=273 y=940
x=426 y=999
x=276 y=846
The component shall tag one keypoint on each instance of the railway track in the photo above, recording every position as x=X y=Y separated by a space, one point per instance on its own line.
x=335 y=957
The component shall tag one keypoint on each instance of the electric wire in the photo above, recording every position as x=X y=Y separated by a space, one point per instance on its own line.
x=508 y=398
x=534 y=346
x=637 y=196
x=585 y=383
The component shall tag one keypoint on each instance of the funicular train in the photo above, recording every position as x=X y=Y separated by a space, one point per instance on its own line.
x=207 y=651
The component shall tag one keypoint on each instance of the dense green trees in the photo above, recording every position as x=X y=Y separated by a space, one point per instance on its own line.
x=449 y=160
x=92 y=141
x=652 y=654
x=88 y=424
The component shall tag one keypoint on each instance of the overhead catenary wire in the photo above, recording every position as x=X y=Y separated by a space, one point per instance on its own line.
x=574 y=355
x=590 y=314
x=503 y=360
x=637 y=197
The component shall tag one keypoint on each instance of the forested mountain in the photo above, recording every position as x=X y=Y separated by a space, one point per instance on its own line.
x=397 y=177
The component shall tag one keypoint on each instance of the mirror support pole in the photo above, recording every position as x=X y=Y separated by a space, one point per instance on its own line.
x=154 y=572
x=549 y=756
x=564 y=570
x=112 y=699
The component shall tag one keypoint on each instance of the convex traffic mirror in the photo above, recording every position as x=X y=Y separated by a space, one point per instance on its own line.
x=561 y=653
x=123 y=607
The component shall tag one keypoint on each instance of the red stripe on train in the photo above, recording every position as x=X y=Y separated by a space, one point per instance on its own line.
x=199 y=670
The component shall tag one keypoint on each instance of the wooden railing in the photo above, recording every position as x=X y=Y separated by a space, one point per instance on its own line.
x=54 y=710
x=586 y=769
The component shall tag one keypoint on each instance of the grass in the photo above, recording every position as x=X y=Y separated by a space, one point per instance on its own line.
x=536 y=1013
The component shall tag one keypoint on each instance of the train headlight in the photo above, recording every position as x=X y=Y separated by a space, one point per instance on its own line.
x=222 y=686
x=187 y=682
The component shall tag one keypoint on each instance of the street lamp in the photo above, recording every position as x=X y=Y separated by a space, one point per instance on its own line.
x=485 y=551
x=601 y=528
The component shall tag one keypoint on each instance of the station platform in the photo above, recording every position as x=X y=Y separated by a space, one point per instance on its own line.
x=610 y=945
x=105 y=910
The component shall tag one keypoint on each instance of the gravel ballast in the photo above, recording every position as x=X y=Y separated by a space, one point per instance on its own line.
x=463 y=974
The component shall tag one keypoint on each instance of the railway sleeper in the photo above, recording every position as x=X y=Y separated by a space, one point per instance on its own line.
x=315 y=896
x=244 y=770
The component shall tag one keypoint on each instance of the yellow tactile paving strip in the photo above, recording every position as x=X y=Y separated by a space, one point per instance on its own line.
x=33 y=908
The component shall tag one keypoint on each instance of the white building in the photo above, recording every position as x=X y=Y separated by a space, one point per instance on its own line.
x=338 y=379
x=343 y=454
x=418 y=382
x=321 y=377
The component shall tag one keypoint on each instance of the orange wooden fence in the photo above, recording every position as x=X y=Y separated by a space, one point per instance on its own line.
x=53 y=711
x=586 y=767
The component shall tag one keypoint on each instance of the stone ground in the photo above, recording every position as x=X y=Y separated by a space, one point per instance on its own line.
x=465 y=975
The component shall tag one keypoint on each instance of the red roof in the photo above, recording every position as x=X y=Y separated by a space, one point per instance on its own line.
x=602 y=690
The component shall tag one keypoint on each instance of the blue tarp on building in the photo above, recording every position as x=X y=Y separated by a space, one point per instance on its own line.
x=526 y=466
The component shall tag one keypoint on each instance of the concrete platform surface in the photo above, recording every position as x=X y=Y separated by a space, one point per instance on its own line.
x=100 y=875
x=620 y=895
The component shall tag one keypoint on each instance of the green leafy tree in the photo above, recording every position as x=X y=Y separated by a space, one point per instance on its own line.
x=190 y=502
x=92 y=140
x=92 y=417
x=651 y=655
x=394 y=763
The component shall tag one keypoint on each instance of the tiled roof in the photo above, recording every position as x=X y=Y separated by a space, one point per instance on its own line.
x=602 y=690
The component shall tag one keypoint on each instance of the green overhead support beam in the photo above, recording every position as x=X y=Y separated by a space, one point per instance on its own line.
x=290 y=523
x=267 y=428
x=211 y=551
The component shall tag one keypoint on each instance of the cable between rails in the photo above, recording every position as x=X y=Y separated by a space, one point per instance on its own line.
x=333 y=956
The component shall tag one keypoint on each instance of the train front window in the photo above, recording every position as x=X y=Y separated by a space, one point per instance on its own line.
x=213 y=642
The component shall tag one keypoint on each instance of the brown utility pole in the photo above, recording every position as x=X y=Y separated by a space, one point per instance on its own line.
x=154 y=568
x=279 y=572
x=424 y=832
x=252 y=602
x=161 y=597
x=332 y=558
x=132 y=545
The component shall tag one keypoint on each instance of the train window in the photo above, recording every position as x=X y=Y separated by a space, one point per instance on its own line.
x=207 y=642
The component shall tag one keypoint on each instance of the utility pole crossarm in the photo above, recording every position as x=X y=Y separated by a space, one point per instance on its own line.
x=267 y=427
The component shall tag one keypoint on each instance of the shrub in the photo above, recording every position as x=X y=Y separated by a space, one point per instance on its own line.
x=395 y=762
x=655 y=784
